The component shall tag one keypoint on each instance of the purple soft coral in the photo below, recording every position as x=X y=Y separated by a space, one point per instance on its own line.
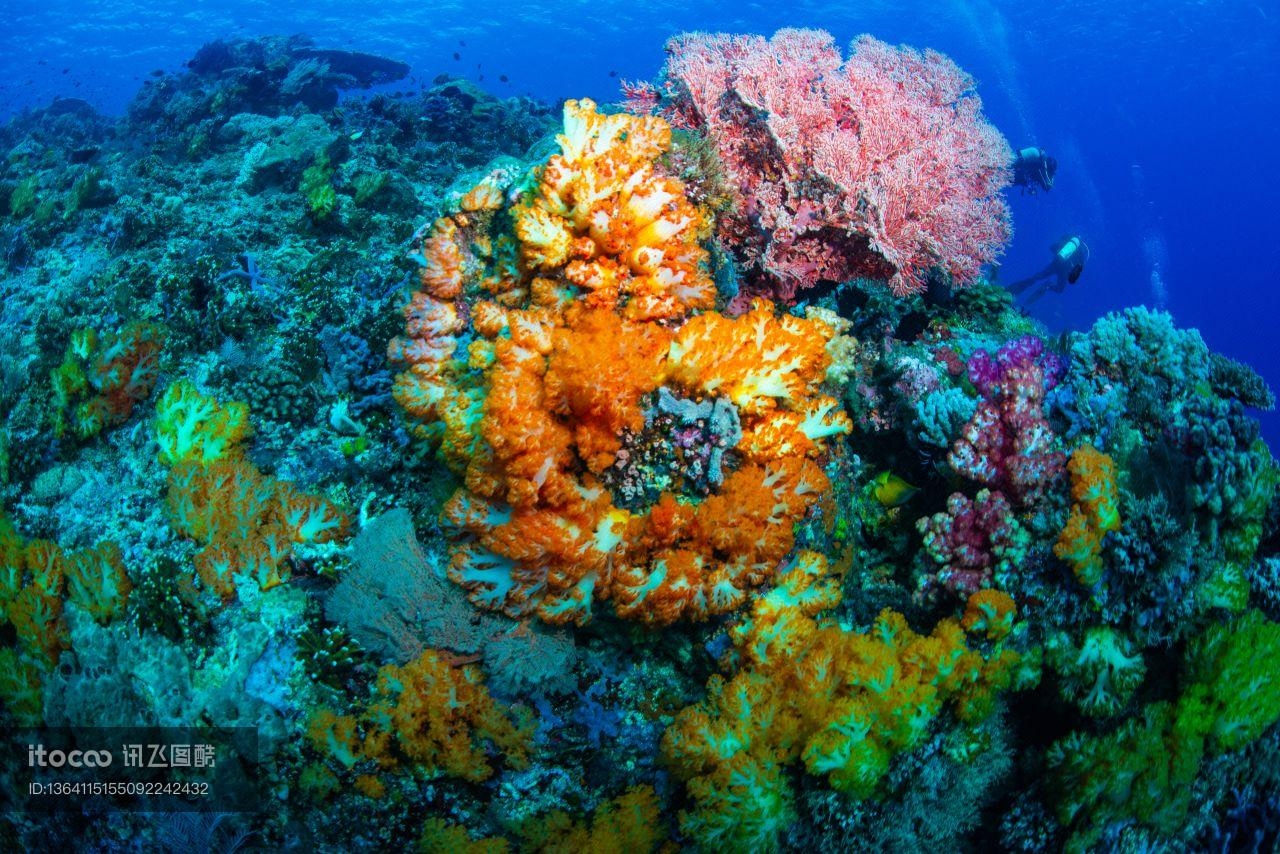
x=1008 y=444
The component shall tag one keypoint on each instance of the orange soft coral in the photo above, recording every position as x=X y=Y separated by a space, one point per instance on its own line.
x=553 y=310
x=38 y=577
x=247 y=522
x=103 y=376
x=429 y=714
x=599 y=223
x=544 y=416
x=619 y=231
x=600 y=368
x=760 y=361
x=1094 y=512
x=989 y=611
x=627 y=824
x=97 y=581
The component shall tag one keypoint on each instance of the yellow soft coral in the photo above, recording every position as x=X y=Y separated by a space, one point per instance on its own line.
x=842 y=703
x=196 y=427
x=1094 y=512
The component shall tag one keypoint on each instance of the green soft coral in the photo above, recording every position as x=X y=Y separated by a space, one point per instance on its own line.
x=1100 y=673
x=1143 y=770
x=1237 y=669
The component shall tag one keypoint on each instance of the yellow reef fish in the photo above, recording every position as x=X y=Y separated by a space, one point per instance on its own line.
x=891 y=490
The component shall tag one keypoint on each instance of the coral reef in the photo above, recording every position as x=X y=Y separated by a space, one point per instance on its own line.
x=477 y=458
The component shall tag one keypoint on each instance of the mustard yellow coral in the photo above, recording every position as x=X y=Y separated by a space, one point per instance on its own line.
x=430 y=714
x=1094 y=512
x=808 y=691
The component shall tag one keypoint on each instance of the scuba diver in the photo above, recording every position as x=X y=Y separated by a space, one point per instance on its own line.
x=1069 y=257
x=1033 y=169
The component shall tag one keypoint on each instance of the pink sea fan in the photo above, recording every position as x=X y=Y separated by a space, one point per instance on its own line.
x=881 y=166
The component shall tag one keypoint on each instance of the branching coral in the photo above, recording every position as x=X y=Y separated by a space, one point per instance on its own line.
x=880 y=165
x=1233 y=475
x=1136 y=362
x=807 y=691
x=570 y=295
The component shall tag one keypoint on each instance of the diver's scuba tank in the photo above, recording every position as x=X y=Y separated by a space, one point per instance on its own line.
x=1071 y=253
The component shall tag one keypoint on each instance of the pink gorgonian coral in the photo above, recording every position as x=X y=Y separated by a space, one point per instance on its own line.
x=880 y=166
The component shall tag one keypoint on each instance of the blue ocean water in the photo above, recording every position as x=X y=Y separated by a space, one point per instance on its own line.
x=1162 y=113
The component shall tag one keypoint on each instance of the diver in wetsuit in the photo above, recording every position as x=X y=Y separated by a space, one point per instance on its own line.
x=1033 y=170
x=1069 y=257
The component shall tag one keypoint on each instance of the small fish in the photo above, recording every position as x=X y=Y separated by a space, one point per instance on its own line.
x=504 y=78
x=461 y=43
x=356 y=135
x=613 y=74
x=891 y=490
x=457 y=55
